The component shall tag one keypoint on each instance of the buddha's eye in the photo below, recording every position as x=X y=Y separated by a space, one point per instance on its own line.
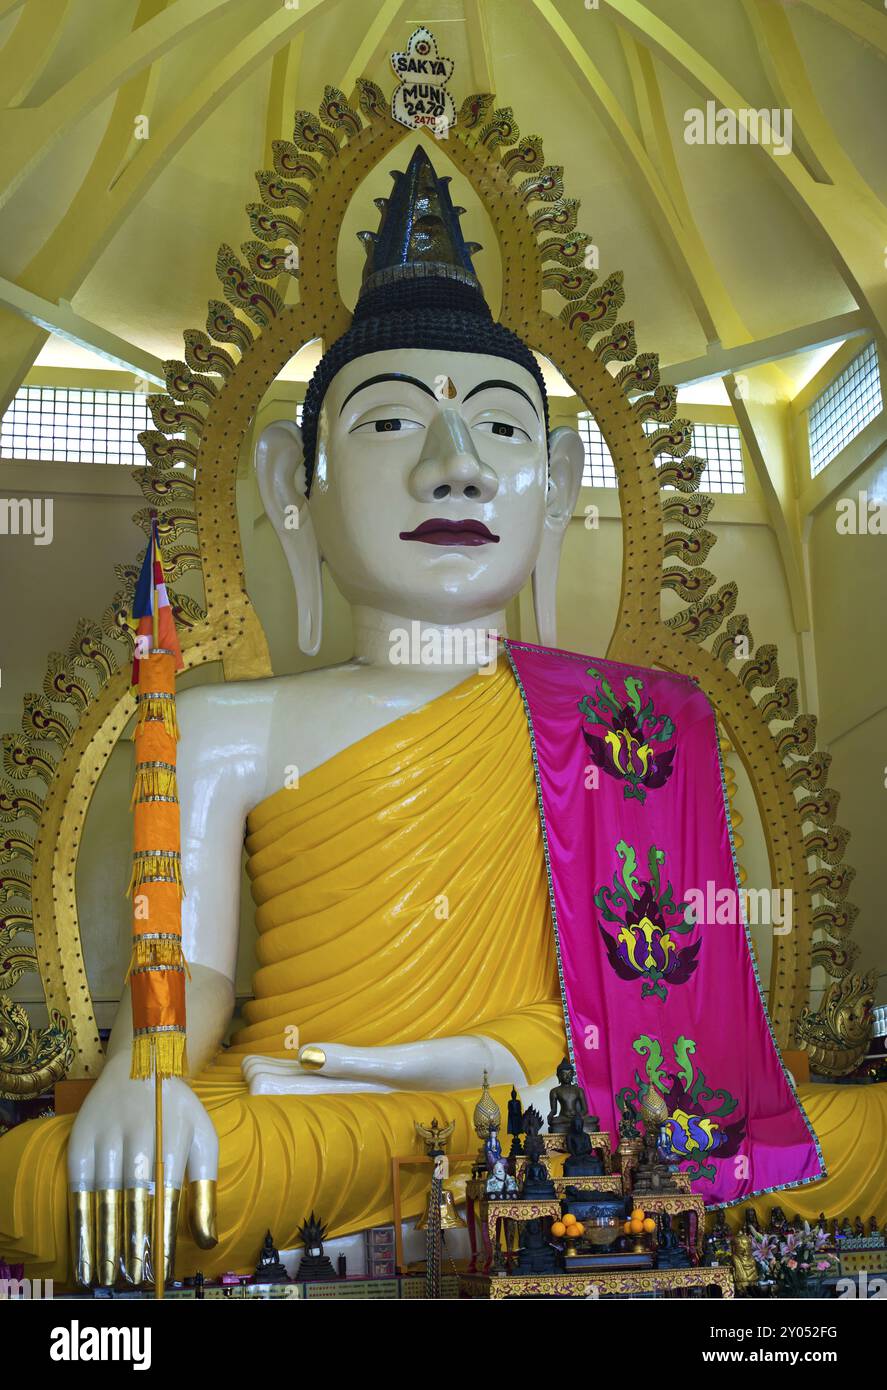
x=503 y=430
x=390 y=424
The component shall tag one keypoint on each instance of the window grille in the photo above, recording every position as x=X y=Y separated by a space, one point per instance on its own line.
x=844 y=408
x=63 y=425
x=719 y=445
x=599 y=470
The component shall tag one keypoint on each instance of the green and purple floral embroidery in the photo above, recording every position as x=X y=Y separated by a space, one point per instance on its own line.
x=694 y=1131
x=645 y=947
x=630 y=748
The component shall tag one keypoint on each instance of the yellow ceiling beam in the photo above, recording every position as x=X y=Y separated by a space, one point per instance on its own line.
x=720 y=361
x=862 y=20
x=66 y=258
x=28 y=133
x=62 y=320
x=768 y=37
x=282 y=89
x=682 y=240
x=149 y=81
x=852 y=220
x=788 y=75
x=29 y=48
x=766 y=427
x=258 y=46
x=721 y=321
x=479 y=47
x=375 y=45
x=282 y=105
x=57 y=270
x=646 y=96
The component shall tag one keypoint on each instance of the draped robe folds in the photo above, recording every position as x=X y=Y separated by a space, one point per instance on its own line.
x=402 y=894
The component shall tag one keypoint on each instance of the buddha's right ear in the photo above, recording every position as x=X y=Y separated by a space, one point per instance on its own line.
x=280 y=470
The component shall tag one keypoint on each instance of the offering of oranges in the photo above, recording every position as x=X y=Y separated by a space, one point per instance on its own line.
x=639 y=1223
x=568 y=1226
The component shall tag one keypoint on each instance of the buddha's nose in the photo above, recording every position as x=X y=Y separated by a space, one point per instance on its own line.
x=449 y=465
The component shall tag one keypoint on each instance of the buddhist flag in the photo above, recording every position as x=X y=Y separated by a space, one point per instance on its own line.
x=152 y=617
x=157 y=968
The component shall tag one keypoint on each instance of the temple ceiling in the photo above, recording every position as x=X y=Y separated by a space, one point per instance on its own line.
x=132 y=130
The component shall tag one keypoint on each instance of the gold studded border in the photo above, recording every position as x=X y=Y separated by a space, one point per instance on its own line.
x=204 y=420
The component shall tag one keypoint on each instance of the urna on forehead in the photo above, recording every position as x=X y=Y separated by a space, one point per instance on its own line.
x=419 y=291
x=445 y=376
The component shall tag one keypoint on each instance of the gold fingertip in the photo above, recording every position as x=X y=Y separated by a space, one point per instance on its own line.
x=202 y=1212
x=171 y=1196
x=138 y=1208
x=82 y=1232
x=108 y=1235
x=312 y=1057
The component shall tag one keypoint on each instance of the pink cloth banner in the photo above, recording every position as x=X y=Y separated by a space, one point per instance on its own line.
x=660 y=989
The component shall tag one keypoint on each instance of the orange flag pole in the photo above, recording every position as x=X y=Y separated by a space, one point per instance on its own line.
x=157 y=968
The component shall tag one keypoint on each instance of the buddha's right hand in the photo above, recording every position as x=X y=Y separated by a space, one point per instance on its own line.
x=111 y=1175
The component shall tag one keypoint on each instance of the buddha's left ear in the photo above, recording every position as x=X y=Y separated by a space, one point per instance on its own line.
x=280 y=470
x=566 y=459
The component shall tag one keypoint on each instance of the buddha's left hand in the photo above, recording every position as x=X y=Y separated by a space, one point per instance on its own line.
x=439 y=1064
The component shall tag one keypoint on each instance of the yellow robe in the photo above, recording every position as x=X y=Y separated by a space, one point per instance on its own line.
x=401 y=895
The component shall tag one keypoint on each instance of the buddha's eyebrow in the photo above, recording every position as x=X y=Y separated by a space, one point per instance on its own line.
x=502 y=385
x=389 y=376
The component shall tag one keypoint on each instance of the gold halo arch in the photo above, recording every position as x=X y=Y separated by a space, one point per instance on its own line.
x=68 y=733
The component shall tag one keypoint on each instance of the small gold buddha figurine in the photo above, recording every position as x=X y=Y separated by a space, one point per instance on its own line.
x=745 y=1271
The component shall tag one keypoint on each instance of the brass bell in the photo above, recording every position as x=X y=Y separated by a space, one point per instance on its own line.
x=450 y=1220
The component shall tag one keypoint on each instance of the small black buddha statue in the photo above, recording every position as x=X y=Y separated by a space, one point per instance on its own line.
x=536 y=1255
x=670 y=1253
x=566 y=1100
x=514 y=1124
x=269 y=1269
x=751 y=1220
x=537 y=1184
x=583 y=1160
x=314 y=1264
x=652 y=1176
x=721 y=1241
x=628 y=1123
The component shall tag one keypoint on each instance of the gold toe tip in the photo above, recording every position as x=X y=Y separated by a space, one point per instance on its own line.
x=312 y=1058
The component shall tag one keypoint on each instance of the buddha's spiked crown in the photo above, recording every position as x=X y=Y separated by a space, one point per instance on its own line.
x=419 y=235
x=419 y=291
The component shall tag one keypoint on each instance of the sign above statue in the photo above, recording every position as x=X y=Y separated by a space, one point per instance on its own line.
x=421 y=100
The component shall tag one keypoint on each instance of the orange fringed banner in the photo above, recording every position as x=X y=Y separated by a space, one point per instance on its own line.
x=157 y=968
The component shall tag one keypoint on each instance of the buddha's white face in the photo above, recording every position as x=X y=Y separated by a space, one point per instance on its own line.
x=430 y=480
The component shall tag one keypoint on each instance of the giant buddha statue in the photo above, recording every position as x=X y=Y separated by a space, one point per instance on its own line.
x=431 y=877
x=399 y=879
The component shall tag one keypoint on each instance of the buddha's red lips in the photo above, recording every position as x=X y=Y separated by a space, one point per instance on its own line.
x=437 y=531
